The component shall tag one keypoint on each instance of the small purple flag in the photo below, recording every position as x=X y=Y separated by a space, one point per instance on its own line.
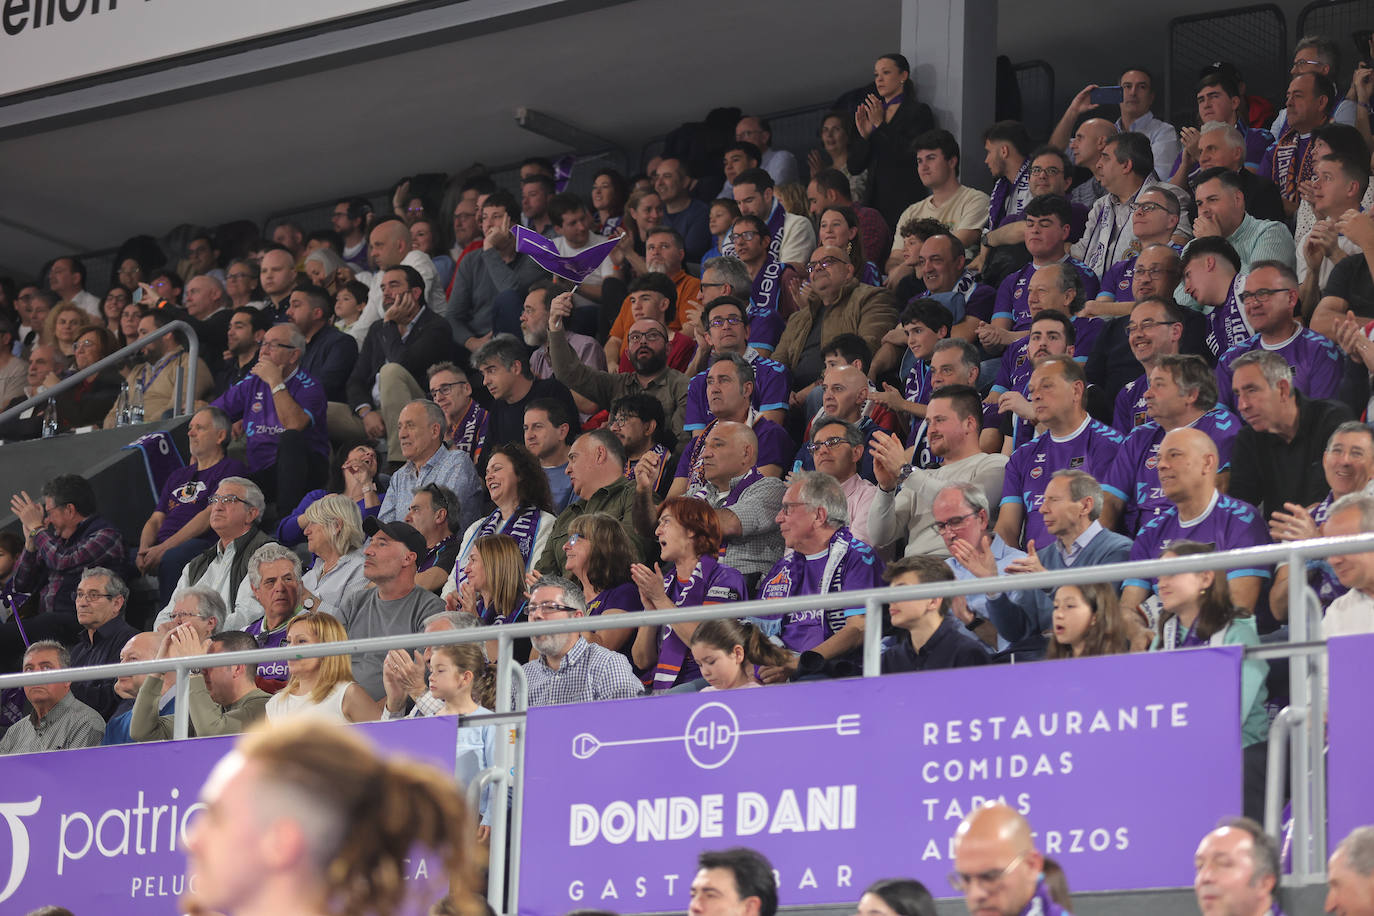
x=576 y=268
x=562 y=172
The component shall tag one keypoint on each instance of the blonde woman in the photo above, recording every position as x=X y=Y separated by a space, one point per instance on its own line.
x=322 y=686
x=334 y=533
x=63 y=326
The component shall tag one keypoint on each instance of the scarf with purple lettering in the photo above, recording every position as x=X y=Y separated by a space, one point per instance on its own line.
x=1293 y=162
x=733 y=496
x=523 y=525
x=672 y=651
x=792 y=573
x=764 y=321
x=1004 y=192
x=1170 y=638
x=470 y=433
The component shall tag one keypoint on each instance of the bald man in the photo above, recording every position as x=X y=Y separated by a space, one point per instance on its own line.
x=746 y=502
x=998 y=867
x=139 y=648
x=1199 y=512
x=1086 y=148
x=844 y=396
x=388 y=247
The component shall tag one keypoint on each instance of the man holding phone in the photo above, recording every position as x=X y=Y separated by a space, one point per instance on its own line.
x=1135 y=96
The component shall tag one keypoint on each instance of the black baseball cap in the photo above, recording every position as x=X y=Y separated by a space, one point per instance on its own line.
x=397 y=531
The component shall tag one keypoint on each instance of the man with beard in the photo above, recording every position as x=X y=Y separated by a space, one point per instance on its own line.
x=663 y=254
x=244 y=334
x=648 y=343
x=534 y=328
x=654 y=296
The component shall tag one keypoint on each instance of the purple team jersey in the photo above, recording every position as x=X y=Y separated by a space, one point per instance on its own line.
x=771 y=385
x=1315 y=360
x=276 y=673
x=1129 y=411
x=1091 y=448
x=775 y=447
x=1117 y=280
x=1011 y=295
x=1228 y=523
x=916 y=388
x=250 y=400
x=795 y=574
x=187 y=492
x=1133 y=477
x=723 y=584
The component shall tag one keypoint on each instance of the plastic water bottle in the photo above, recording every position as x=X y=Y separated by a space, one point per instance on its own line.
x=122 y=406
x=50 y=419
x=135 y=405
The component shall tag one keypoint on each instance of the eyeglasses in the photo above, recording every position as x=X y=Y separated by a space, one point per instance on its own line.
x=728 y=321
x=573 y=538
x=1149 y=324
x=747 y=235
x=92 y=596
x=962 y=882
x=705 y=284
x=823 y=264
x=1149 y=207
x=226 y=500
x=552 y=607
x=955 y=522
x=832 y=442
x=436 y=391
x=788 y=507
x=273 y=345
x=84 y=344
x=650 y=336
x=621 y=419
x=1151 y=272
x=189 y=615
x=1250 y=296
x=238 y=276
x=1045 y=172
x=415 y=211
x=1309 y=62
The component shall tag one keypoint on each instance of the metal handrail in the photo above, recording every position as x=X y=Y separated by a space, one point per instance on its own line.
x=71 y=381
x=1221 y=560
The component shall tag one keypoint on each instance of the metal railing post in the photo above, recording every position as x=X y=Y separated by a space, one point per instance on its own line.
x=496 y=864
x=181 y=715
x=1299 y=699
x=1316 y=736
x=1273 y=775
x=873 y=638
x=517 y=796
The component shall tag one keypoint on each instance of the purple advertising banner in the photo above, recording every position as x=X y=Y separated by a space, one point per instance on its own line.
x=101 y=830
x=1350 y=737
x=845 y=782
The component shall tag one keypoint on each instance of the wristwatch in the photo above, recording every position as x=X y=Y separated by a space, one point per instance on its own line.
x=308 y=603
x=904 y=473
x=280 y=386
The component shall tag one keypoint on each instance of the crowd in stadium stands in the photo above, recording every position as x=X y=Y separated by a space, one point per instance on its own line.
x=788 y=378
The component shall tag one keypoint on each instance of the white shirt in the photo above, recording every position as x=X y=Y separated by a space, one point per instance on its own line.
x=1163 y=140
x=216 y=576
x=87 y=303
x=330 y=587
x=1350 y=614
x=373 y=311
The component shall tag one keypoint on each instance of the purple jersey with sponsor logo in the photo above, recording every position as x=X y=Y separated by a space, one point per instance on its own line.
x=794 y=574
x=1316 y=363
x=250 y=400
x=187 y=492
x=1133 y=477
x=916 y=388
x=723 y=584
x=276 y=673
x=771 y=386
x=1228 y=523
x=775 y=447
x=1129 y=411
x=1091 y=448
x=1320 y=576
x=1011 y=294
x=1116 y=282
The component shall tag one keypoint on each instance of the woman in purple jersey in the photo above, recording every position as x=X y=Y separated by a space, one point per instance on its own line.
x=305 y=818
x=689 y=540
x=1086 y=622
x=600 y=554
x=729 y=652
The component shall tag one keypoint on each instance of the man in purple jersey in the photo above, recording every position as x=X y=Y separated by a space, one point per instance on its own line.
x=1072 y=439
x=1269 y=300
x=1153 y=331
x=1052 y=334
x=1182 y=393
x=1278 y=455
x=282 y=412
x=1188 y=476
x=1154 y=218
x=274 y=574
x=179 y=527
x=1212 y=277
x=729 y=388
x=1348 y=464
x=724 y=328
x=1048 y=223
x=822 y=557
